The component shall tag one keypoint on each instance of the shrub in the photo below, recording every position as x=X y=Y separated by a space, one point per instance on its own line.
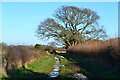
x=40 y=47
x=20 y=56
x=13 y=58
x=26 y=55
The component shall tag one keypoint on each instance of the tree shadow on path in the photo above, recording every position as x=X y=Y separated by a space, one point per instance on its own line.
x=90 y=72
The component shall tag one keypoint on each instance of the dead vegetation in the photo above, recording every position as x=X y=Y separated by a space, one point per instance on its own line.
x=106 y=52
x=19 y=56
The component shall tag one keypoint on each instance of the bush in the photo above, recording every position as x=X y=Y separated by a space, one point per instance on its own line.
x=40 y=47
x=13 y=58
x=26 y=55
x=3 y=47
x=50 y=49
x=20 y=56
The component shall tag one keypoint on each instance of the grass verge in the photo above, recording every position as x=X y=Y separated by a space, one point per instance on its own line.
x=65 y=69
x=43 y=65
x=93 y=70
x=36 y=69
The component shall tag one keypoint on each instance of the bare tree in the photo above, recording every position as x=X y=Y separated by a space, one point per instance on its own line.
x=71 y=25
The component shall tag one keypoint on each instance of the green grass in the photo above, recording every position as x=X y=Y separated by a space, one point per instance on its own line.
x=23 y=73
x=3 y=76
x=63 y=61
x=43 y=65
x=37 y=69
x=89 y=68
x=65 y=69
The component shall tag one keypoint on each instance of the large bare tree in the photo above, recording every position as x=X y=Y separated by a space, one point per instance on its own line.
x=71 y=25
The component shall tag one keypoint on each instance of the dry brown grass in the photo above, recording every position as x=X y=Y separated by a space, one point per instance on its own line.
x=104 y=52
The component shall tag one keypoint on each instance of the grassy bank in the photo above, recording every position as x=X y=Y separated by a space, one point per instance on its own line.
x=65 y=69
x=106 y=53
x=42 y=65
x=92 y=70
x=36 y=69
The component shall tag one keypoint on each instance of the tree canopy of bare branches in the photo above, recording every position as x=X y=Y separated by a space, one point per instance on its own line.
x=71 y=25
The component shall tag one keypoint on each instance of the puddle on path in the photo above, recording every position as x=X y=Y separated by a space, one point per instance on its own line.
x=56 y=68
